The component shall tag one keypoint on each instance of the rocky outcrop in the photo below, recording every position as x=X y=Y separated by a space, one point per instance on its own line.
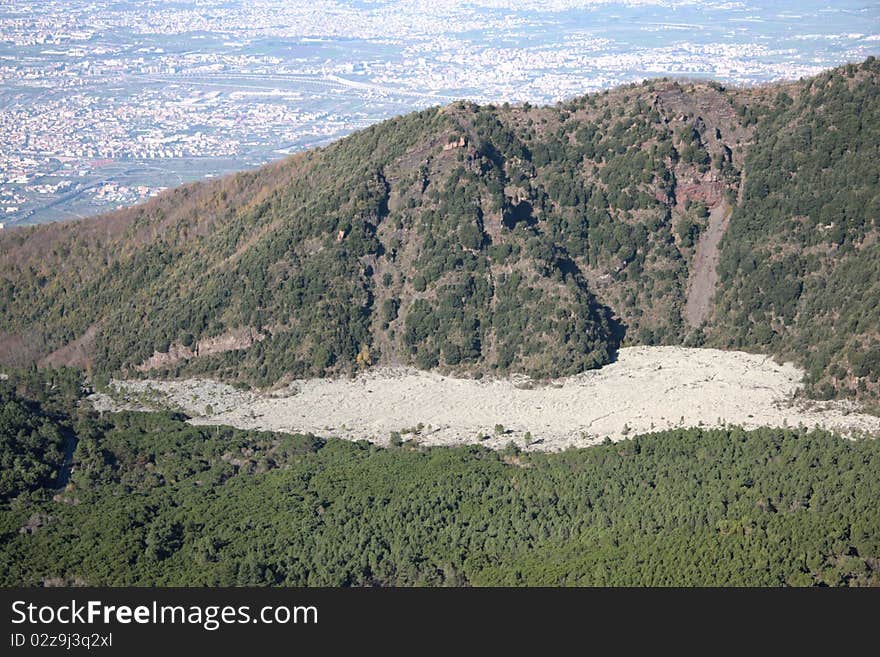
x=709 y=191
x=232 y=340
x=461 y=143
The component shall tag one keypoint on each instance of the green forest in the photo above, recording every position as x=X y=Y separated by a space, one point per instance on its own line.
x=153 y=500
x=800 y=268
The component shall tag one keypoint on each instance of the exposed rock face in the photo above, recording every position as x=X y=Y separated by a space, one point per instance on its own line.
x=160 y=359
x=233 y=340
x=710 y=192
x=461 y=143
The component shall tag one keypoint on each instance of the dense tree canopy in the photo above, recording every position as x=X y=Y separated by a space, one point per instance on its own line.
x=156 y=501
x=800 y=264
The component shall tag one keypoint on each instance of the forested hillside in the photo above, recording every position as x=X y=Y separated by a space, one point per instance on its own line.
x=155 y=501
x=483 y=240
x=35 y=410
x=800 y=268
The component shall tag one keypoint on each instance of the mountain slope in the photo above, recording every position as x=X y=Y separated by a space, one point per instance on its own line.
x=800 y=266
x=485 y=239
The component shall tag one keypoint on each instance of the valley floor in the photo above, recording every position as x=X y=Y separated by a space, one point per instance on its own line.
x=646 y=389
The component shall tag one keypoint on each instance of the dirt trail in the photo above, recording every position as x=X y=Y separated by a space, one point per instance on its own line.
x=701 y=285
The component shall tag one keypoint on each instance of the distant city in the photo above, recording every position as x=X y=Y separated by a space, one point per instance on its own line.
x=105 y=103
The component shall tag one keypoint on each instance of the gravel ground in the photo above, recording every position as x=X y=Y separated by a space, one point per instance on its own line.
x=646 y=389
